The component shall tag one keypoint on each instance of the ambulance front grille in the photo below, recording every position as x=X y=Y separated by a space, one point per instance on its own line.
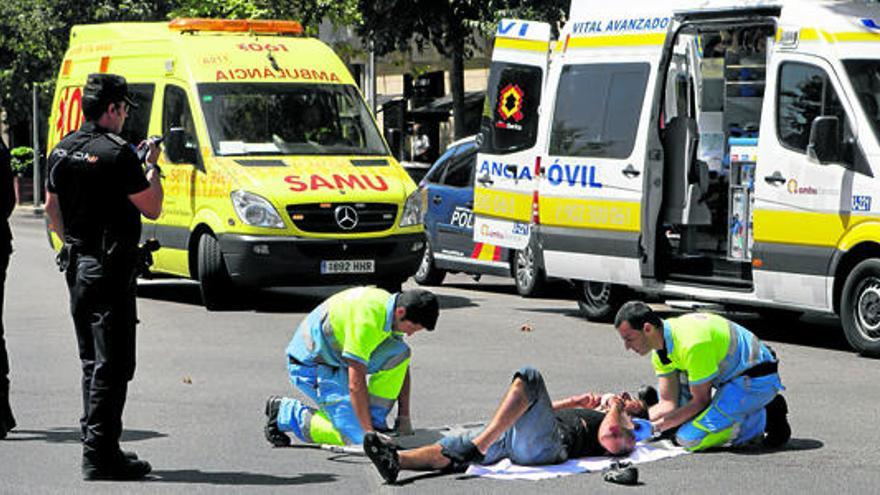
x=322 y=217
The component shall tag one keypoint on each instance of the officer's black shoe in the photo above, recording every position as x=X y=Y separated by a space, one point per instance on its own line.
x=273 y=434
x=116 y=467
x=648 y=395
x=383 y=455
x=777 y=432
x=129 y=455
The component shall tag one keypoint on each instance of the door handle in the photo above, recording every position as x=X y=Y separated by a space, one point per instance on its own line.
x=775 y=179
x=437 y=200
x=486 y=179
x=630 y=172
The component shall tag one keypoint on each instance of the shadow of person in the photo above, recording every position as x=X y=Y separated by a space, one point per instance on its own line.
x=68 y=434
x=455 y=302
x=793 y=445
x=237 y=478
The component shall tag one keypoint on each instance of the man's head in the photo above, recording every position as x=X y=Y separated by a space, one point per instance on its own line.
x=616 y=431
x=106 y=101
x=639 y=327
x=416 y=309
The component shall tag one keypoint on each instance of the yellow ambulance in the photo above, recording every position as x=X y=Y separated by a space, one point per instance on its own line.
x=717 y=150
x=275 y=173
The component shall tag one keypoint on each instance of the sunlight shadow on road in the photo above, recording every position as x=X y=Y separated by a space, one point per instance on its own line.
x=68 y=434
x=237 y=478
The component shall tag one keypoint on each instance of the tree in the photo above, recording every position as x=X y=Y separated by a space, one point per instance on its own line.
x=451 y=26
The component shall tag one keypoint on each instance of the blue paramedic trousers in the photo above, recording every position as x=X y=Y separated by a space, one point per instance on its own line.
x=735 y=416
x=327 y=387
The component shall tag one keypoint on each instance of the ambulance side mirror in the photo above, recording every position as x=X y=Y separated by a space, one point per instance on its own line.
x=175 y=146
x=824 y=146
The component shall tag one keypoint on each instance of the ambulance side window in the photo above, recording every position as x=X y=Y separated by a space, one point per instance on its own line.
x=137 y=124
x=176 y=116
x=460 y=172
x=805 y=92
x=598 y=108
x=510 y=114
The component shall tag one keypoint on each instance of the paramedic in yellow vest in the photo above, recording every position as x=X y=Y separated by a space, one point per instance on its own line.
x=352 y=335
x=708 y=352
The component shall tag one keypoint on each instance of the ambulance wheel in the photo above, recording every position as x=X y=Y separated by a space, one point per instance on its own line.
x=214 y=282
x=860 y=308
x=528 y=275
x=599 y=301
x=428 y=273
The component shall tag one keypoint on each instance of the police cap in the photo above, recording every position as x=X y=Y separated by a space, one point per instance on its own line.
x=421 y=307
x=103 y=89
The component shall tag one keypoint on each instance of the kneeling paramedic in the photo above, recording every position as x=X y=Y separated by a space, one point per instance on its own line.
x=354 y=333
x=696 y=353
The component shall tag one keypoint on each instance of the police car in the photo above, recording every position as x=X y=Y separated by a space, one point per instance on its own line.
x=448 y=195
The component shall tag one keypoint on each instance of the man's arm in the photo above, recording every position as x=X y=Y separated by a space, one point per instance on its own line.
x=668 y=397
x=403 y=398
x=53 y=210
x=701 y=396
x=149 y=201
x=586 y=401
x=357 y=389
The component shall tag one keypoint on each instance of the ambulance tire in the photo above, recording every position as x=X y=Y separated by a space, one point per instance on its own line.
x=528 y=276
x=428 y=273
x=599 y=301
x=214 y=282
x=860 y=308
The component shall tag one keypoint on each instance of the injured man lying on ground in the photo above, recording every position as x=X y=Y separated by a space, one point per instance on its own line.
x=528 y=429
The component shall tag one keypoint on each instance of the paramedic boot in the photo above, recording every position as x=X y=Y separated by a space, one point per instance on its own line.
x=383 y=455
x=273 y=434
x=778 y=431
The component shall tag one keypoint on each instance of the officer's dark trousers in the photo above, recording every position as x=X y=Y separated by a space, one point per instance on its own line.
x=102 y=302
x=5 y=411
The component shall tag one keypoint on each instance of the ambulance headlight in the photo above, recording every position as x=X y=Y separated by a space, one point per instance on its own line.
x=412 y=210
x=256 y=210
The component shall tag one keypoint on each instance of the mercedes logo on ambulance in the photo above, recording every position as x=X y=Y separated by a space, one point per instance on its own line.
x=346 y=217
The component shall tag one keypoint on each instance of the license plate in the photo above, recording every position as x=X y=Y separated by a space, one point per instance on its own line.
x=347 y=266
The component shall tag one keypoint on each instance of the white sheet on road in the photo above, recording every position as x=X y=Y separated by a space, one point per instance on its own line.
x=506 y=470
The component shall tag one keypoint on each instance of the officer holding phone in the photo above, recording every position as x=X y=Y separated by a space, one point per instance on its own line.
x=97 y=192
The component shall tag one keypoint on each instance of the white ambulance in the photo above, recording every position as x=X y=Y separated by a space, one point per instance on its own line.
x=722 y=153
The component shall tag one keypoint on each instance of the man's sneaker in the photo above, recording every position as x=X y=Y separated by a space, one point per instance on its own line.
x=777 y=431
x=273 y=434
x=383 y=455
x=117 y=467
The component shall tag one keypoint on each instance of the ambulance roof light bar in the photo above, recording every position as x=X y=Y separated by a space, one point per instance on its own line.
x=236 y=26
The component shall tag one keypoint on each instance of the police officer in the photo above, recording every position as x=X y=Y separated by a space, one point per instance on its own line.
x=7 y=196
x=97 y=191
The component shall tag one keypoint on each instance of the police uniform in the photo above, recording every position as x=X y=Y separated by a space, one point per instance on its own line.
x=743 y=371
x=93 y=171
x=7 y=193
x=354 y=324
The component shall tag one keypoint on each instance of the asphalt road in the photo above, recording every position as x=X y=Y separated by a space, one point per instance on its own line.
x=195 y=408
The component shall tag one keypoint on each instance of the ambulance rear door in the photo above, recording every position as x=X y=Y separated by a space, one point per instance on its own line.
x=591 y=188
x=505 y=179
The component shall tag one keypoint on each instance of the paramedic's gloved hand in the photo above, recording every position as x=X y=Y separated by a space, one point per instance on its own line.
x=403 y=426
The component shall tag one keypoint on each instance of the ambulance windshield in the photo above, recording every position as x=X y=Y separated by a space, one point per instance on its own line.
x=288 y=119
x=865 y=77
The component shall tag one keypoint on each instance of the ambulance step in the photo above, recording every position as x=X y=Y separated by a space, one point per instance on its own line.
x=694 y=305
x=711 y=281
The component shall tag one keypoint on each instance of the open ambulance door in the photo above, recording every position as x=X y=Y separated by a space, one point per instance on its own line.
x=505 y=178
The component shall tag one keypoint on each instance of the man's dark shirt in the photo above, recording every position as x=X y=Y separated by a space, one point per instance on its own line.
x=580 y=431
x=93 y=172
x=7 y=198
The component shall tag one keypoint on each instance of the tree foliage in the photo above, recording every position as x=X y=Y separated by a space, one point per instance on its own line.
x=450 y=26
